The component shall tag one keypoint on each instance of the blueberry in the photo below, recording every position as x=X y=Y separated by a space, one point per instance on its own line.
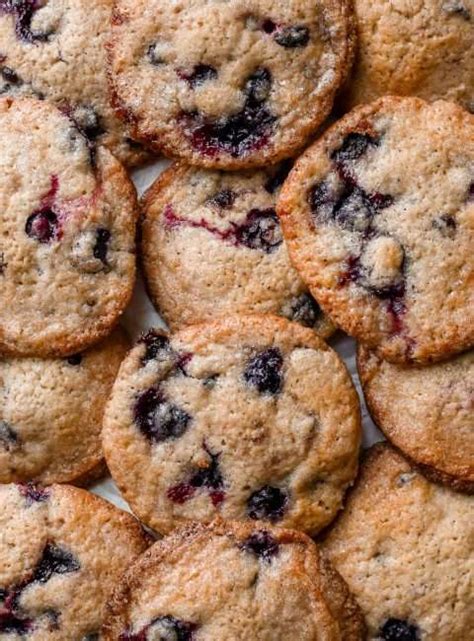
x=223 y=199
x=8 y=437
x=33 y=493
x=101 y=244
x=268 y=26
x=258 y=85
x=12 y=624
x=305 y=310
x=261 y=230
x=209 y=478
x=263 y=371
x=42 y=226
x=398 y=630
x=292 y=36
x=158 y=419
x=262 y=544
x=199 y=75
x=354 y=211
x=322 y=201
x=54 y=560
x=23 y=12
x=164 y=628
x=267 y=503
x=157 y=345
x=11 y=80
x=353 y=147
x=75 y=359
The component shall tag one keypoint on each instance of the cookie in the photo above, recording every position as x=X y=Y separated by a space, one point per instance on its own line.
x=67 y=234
x=420 y=48
x=51 y=413
x=232 y=581
x=249 y=417
x=62 y=550
x=228 y=84
x=405 y=546
x=378 y=216
x=212 y=246
x=56 y=50
x=427 y=412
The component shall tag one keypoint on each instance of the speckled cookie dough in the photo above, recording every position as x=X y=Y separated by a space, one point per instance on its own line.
x=212 y=246
x=51 y=413
x=378 y=216
x=250 y=417
x=405 y=548
x=420 y=48
x=228 y=84
x=55 y=49
x=233 y=581
x=61 y=552
x=67 y=233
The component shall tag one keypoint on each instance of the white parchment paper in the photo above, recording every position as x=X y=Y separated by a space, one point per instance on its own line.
x=141 y=315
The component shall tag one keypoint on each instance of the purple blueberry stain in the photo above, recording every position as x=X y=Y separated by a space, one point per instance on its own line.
x=399 y=630
x=163 y=628
x=237 y=134
x=261 y=544
x=267 y=503
x=199 y=75
x=33 y=493
x=43 y=224
x=264 y=371
x=23 y=12
x=158 y=418
x=208 y=477
x=9 y=439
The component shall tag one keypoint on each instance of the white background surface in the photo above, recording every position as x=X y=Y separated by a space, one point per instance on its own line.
x=141 y=315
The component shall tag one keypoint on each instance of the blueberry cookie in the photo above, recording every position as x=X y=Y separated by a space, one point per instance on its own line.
x=61 y=552
x=427 y=412
x=55 y=49
x=250 y=417
x=228 y=84
x=232 y=581
x=405 y=547
x=212 y=246
x=51 y=413
x=67 y=233
x=379 y=220
x=423 y=48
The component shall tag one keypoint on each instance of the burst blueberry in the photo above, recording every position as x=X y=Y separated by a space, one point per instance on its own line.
x=293 y=36
x=42 y=226
x=398 y=630
x=159 y=419
x=267 y=503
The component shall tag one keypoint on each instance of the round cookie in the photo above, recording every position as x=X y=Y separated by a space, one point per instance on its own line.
x=378 y=216
x=212 y=246
x=405 y=547
x=246 y=86
x=249 y=417
x=427 y=412
x=423 y=48
x=56 y=50
x=51 y=413
x=232 y=581
x=62 y=550
x=67 y=235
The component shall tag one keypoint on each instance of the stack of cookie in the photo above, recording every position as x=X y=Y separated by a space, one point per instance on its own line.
x=236 y=434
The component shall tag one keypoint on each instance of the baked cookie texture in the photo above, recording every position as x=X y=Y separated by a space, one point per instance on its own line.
x=248 y=418
x=56 y=50
x=378 y=218
x=228 y=84
x=427 y=412
x=211 y=245
x=421 y=48
x=67 y=234
x=51 y=413
x=404 y=546
x=233 y=581
x=61 y=551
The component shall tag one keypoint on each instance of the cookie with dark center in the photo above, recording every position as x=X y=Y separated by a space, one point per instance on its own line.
x=68 y=269
x=44 y=400
x=395 y=518
x=222 y=237
x=165 y=593
x=56 y=51
x=368 y=225
x=61 y=557
x=443 y=66
x=194 y=102
x=242 y=433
